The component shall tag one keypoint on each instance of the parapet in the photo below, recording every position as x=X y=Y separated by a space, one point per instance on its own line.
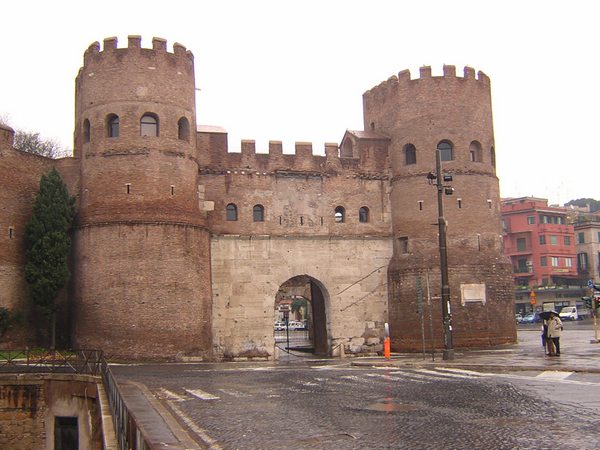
x=449 y=72
x=134 y=43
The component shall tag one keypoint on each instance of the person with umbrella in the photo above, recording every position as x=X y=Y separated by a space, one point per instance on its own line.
x=555 y=328
x=547 y=342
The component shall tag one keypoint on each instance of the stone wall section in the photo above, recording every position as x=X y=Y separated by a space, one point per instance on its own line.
x=248 y=271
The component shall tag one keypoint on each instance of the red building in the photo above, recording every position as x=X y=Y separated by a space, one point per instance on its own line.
x=540 y=242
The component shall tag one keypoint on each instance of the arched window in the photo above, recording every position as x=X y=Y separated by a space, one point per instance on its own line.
x=231 y=211
x=475 y=152
x=363 y=214
x=340 y=214
x=112 y=125
x=493 y=156
x=445 y=148
x=410 y=154
x=149 y=125
x=86 y=130
x=183 y=129
x=258 y=213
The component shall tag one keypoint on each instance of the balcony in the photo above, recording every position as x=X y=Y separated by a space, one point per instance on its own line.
x=522 y=270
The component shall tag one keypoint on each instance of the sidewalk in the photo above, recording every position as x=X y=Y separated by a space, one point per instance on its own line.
x=577 y=355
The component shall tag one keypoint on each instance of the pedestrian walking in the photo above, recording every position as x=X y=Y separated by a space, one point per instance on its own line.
x=546 y=341
x=555 y=328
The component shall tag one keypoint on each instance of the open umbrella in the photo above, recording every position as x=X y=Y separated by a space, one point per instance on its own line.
x=545 y=315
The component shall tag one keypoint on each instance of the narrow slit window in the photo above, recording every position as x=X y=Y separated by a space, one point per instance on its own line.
x=11 y=232
x=128 y=188
x=420 y=202
x=172 y=190
x=301 y=220
x=183 y=129
x=459 y=202
x=86 y=131
x=403 y=244
x=489 y=202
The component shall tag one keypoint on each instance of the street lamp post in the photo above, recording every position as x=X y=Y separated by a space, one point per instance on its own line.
x=446 y=312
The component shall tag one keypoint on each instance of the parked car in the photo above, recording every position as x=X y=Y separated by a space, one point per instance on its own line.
x=297 y=325
x=279 y=326
x=519 y=318
x=532 y=318
x=569 y=313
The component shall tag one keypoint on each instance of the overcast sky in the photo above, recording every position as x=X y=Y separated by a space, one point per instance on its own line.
x=296 y=71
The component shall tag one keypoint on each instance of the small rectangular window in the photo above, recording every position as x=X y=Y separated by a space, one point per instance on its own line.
x=531 y=220
x=172 y=190
x=553 y=240
x=403 y=244
x=543 y=261
x=489 y=202
x=420 y=202
x=11 y=232
x=542 y=239
x=128 y=187
x=580 y=238
x=567 y=240
x=554 y=261
x=459 y=202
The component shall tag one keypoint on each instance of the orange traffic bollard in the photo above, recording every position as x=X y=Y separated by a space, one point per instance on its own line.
x=386 y=348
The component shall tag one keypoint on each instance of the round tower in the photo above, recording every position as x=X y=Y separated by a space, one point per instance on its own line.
x=142 y=269
x=452 y=114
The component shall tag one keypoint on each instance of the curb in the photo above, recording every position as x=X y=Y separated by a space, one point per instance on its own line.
x=482 y=367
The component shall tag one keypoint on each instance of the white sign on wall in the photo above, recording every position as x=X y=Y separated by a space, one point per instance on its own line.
x=470 y=293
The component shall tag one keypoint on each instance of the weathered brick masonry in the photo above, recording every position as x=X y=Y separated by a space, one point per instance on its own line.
x=159 y=268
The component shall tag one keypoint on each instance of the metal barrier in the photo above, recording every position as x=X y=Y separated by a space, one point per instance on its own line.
x=129 y=436
x=51 y=361
x=89 y=362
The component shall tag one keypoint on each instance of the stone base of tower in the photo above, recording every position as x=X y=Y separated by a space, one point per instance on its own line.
x=416 y=317
x=142 y=291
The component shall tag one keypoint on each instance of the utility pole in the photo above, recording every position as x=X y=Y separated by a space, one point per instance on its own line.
x=438 y=180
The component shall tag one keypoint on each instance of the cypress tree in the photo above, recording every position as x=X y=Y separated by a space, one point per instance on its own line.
x=47 y=245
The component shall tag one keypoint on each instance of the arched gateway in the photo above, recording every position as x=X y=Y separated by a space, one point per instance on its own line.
x=301 y=316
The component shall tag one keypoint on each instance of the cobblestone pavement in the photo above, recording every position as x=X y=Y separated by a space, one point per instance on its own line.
x=512 y=397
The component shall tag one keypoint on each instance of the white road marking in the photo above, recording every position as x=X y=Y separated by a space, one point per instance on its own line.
x=170 y=395
x=554 y=375
x=199 y=393
x=236 y=394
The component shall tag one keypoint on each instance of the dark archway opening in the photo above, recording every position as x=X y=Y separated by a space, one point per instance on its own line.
x=300 y=316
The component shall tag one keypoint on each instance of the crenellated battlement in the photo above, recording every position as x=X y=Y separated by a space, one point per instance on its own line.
x=403 y=79
x=134 y=46
x=370 y=162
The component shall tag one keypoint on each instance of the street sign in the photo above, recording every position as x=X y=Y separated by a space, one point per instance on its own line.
x=591 y=284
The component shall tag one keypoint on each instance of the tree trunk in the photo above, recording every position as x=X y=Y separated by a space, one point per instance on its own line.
x=53 y=331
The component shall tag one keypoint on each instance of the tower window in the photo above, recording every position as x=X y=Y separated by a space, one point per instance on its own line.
x=420 y=202
x=258 y=213
x=112 y=125
x=128 y=188
x=11 y=232
x=86 y=130
x=475 y=152
x=149 y=125
x=363 y=214
x=410 y=154
x=340 y=214
x=231 y=212
x=445 y=148
x=183 y=129
x=493 y=156
x=403 y=244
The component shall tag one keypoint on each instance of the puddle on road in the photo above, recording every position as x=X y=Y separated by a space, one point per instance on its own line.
x=391 y=405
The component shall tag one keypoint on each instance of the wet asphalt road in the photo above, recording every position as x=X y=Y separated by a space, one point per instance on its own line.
x=332 y=405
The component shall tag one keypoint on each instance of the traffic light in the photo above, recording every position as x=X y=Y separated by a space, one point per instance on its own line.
x=596 y=287
x=588 y=301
